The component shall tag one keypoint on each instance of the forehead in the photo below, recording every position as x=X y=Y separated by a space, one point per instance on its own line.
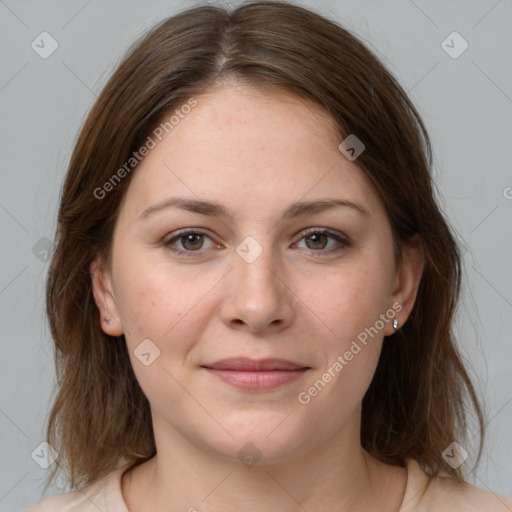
x=249 y=149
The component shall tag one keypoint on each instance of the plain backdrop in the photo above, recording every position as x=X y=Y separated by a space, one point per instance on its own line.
x=465 y=100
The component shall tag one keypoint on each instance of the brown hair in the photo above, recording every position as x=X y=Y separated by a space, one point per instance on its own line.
x=418 y=400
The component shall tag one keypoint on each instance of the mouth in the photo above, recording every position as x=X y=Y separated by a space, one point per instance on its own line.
x=256 y=375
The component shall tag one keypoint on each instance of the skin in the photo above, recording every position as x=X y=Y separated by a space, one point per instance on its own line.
x=256 y=153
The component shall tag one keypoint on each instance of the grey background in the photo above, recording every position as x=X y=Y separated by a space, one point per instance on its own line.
x=466 y=103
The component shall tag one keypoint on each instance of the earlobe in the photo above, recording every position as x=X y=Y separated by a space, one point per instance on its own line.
x=105 y=300
x=406 y=284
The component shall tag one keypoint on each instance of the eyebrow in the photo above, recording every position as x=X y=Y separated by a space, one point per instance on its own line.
x=216 y=209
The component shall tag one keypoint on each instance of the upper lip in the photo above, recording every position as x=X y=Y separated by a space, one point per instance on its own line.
x=253 y=365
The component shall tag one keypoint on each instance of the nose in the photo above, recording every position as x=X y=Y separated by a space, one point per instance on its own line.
x=258 y=295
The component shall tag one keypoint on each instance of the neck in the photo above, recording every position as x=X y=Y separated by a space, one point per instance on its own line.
x=338 y=475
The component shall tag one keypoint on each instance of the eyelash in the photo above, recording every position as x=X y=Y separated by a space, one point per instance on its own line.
x=343 y=241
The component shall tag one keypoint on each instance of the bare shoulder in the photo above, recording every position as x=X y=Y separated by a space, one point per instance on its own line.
x=443 y=494
x=63 y=502
x=451 y=496
x=92 y=498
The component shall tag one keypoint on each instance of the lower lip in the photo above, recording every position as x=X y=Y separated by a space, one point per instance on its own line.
x=258 y=381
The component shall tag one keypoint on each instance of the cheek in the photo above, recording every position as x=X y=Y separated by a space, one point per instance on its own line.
x=151 y=293
x=148 y=306
x=155 y=306
x=350 y=306
x=353 y=297
x=158 y=303
x=351 y=348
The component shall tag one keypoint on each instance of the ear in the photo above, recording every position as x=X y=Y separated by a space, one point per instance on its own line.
x=406 y=283
x=104 y=297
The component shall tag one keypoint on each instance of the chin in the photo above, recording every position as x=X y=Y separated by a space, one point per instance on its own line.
x=263 y=438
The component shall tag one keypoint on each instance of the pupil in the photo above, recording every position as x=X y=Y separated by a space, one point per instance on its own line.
x=316 y=240
x=190 y=239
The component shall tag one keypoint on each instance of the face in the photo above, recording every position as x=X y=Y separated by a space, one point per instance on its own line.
x=192 y=284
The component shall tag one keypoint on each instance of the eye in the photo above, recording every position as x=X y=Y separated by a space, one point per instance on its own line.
x=317 y=240
x=192 y=242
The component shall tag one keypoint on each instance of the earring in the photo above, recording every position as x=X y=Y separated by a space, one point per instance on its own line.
x=108 y=321
x=396 y=325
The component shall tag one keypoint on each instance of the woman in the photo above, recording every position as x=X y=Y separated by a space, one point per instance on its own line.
x=253 y=287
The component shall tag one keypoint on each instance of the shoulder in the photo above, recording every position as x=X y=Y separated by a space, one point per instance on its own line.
x=443 y=494
x=104 y=495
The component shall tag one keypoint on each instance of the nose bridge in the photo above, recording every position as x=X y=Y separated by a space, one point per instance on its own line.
x=256 y=266
x=259 y=297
